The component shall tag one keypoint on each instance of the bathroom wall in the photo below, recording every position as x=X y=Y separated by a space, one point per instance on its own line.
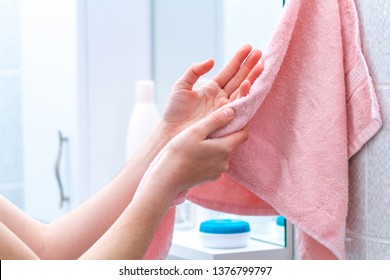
x=11 y=167
x=368 y=221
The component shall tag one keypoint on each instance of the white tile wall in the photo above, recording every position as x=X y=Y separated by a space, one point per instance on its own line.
x=357 y=185
x=356 y=248
x=377 y=39
x=378 y=250
x=368 y=221
x=378 y=175
x=361 y=12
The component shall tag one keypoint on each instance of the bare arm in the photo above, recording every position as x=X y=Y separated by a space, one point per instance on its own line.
x=12 y=248
x=70 y=236
x=189 y=159
x=81 y=227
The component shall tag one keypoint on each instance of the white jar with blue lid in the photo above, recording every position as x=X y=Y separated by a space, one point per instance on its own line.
x=224 y=233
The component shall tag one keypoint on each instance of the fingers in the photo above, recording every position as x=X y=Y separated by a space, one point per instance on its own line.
x=214 y=121
x=242 y=66
x=242 y=91
x=244 y=88
x=233 y=140
x=192 y=74
x=255 y=73
x=245 y=85
x=233 y=66
x=243 y=72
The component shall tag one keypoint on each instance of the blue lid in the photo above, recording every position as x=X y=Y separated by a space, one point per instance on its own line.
x=281 y=221
x=224 y=226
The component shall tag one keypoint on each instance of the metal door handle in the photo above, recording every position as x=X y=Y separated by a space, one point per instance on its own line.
x=63 y=198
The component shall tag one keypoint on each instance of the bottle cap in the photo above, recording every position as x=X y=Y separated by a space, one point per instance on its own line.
x=224 y=226
x=281 y=221
x=144 y=90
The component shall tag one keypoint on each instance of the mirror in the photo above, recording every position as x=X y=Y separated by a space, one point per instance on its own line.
x=185 y=32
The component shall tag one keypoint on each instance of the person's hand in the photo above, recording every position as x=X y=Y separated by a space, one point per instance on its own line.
x=191 y=158
x=187 y=105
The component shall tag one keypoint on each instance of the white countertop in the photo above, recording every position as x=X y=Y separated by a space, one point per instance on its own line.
x=187 y=244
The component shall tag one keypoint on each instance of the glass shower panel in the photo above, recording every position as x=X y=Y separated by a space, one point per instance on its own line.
x=11 y=156
x=11 y=165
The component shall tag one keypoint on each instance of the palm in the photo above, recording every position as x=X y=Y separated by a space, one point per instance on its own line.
x=187 y=105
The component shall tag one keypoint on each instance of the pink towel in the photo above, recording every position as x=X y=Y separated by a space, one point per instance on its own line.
x=161 y=243
x=311 y=109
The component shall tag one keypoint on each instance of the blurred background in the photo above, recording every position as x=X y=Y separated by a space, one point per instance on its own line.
x=71 y=67
x=68 y=70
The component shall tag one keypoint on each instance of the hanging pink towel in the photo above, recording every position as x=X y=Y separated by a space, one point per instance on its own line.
x=161 y=243
x=311 y=109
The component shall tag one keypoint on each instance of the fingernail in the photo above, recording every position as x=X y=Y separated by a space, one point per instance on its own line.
x=229 y=112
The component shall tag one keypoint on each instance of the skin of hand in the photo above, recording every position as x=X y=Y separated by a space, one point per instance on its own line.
x=187 y=105
x=192 y=158
x=79 y=229
x=188 y=160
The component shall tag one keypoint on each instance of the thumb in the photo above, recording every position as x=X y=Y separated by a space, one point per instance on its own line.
x=189 y=78
x=215 y=120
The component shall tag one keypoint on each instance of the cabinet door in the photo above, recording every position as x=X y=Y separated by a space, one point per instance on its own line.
x=49 y=90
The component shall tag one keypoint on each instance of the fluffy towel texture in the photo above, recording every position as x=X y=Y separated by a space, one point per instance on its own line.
x=159 y=248
x=311 y=109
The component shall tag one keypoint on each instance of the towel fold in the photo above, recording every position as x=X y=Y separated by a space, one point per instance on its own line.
x=311 y=109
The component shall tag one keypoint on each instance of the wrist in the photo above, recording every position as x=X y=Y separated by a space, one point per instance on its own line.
x=170 y=130
x=156 y=187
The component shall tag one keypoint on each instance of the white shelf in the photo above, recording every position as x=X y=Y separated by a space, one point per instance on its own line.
x=187 y=244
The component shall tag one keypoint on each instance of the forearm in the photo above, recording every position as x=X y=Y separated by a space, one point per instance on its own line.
x=27 y=231
x=82 y=227
x=71 y=235
x=189 y=159
x=12 y=248
x=131 y=234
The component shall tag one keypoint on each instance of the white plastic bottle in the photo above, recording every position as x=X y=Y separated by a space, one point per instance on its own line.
x=144 y=116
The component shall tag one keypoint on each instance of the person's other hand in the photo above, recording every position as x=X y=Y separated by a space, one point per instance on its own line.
x=187 y=105
x=192 y=158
